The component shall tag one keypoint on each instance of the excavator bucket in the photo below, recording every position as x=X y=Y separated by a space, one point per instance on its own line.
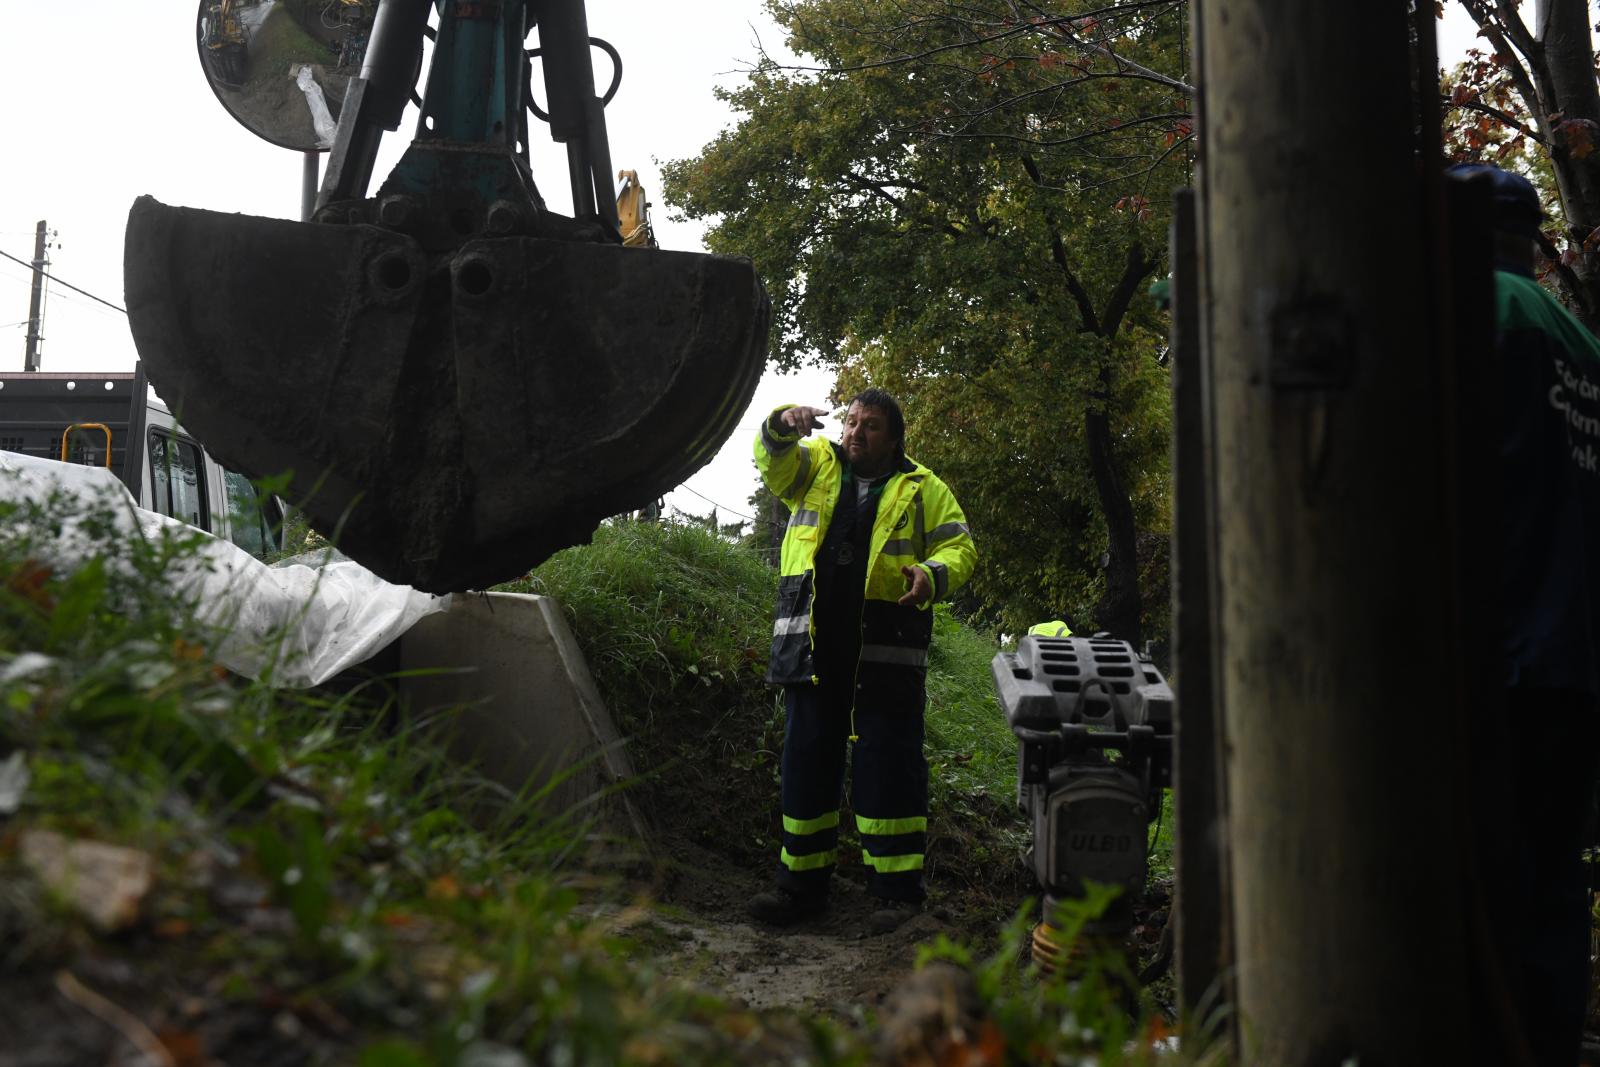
x=450 y=418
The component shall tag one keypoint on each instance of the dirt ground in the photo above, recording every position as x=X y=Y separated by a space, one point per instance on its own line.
x=828 y=964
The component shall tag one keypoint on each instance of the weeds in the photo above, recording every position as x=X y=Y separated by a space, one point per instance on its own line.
x=325 y=881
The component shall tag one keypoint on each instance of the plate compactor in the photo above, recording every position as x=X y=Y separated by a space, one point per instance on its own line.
x=456 y=380
x=1093 y=720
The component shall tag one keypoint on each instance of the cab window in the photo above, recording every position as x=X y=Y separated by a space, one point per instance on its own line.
x=177 y=482
x=254 y=521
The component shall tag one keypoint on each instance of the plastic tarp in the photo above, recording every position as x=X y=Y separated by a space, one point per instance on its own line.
x=291 y=626
x=321 y=118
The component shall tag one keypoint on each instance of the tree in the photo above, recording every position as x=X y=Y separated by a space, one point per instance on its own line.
x=1532 y=99
x=765 y=538
x=964 y=204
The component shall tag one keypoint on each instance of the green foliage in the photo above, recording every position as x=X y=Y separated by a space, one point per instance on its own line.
x=1090 y=1010
x=295 y=860
x=970 y=229
x=663 y=609
x=317 y=851
x=765 y=538
x=977 y=839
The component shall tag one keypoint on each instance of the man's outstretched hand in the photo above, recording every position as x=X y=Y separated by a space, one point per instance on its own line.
x=918 y=589
x=801 y=420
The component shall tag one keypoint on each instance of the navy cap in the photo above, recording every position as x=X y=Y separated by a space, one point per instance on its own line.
x=1516 y=202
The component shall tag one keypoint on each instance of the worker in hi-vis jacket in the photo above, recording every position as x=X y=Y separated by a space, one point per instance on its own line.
x=874 y=540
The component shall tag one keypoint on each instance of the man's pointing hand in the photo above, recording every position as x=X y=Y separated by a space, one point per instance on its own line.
x=801 y=420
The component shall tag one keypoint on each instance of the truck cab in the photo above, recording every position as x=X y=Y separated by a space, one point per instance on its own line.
x=114 y=420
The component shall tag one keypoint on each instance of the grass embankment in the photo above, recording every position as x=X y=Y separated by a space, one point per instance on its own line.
x=213 y=871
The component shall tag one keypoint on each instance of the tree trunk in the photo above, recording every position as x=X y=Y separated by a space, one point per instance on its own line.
x=1565 y=80
x=1329 y=445
x=1120 y=608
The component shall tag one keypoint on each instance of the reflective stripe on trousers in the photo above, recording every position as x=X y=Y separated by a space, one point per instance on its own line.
x=889 y=782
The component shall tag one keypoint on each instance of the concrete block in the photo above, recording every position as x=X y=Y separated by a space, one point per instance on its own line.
x=528 y=706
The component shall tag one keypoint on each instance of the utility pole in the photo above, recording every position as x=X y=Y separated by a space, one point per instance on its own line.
x=1333 y=520
x=30 y=361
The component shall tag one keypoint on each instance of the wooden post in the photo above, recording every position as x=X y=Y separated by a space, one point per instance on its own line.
x=1332 y=503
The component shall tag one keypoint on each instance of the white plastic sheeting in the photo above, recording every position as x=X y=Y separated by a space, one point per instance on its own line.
x=321 y=118
x=292 y=627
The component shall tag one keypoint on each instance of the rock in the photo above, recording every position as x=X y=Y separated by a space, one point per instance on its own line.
x=105 y=883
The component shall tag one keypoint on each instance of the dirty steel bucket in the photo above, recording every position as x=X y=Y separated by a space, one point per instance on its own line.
x=449 y=419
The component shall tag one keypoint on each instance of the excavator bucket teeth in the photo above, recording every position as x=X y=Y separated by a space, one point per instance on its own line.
x=449 y=419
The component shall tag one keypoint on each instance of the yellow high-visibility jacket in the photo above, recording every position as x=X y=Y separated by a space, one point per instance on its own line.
x=1053 y=628
x=918 y=523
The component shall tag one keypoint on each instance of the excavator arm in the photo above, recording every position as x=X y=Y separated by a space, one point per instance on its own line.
x=439 y=366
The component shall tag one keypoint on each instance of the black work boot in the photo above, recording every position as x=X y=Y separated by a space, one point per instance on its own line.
x=783 y=908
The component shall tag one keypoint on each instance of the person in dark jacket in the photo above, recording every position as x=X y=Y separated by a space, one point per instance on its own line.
x=1534 y=799
x=874 y=540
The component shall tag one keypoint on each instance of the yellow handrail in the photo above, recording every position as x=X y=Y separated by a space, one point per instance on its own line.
x=102 y=427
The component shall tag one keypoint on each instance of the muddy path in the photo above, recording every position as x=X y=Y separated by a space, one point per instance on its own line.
x=828 y=964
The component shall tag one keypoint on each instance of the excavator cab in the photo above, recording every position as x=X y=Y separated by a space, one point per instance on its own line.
x=457 y=380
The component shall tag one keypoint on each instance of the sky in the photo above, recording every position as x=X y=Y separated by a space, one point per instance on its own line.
x=109 y=102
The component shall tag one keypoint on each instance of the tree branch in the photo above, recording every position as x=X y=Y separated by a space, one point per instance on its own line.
x=1126 y=64
x=1495 y=113
x=1137 y=269
x=1519 y=75
x=881 y=190
x=1058 y=252
x=1107 y=131
x=1517 y=30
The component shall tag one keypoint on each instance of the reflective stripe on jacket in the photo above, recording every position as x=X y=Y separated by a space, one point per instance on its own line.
x=918 y=523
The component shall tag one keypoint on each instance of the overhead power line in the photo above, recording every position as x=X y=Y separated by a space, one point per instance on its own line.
x=69 y=285
x=721 y=507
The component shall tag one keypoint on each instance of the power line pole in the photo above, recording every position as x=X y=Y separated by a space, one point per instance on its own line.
x=30 y=361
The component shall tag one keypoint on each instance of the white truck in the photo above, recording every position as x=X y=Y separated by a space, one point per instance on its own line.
x=114 y=420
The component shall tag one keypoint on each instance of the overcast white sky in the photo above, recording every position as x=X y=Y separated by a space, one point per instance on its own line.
x=108 y=102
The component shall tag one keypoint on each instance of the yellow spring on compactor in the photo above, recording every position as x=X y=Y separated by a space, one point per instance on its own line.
x=1053 y=958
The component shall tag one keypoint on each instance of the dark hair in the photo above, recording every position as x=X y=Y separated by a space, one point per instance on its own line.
x=877 y=398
